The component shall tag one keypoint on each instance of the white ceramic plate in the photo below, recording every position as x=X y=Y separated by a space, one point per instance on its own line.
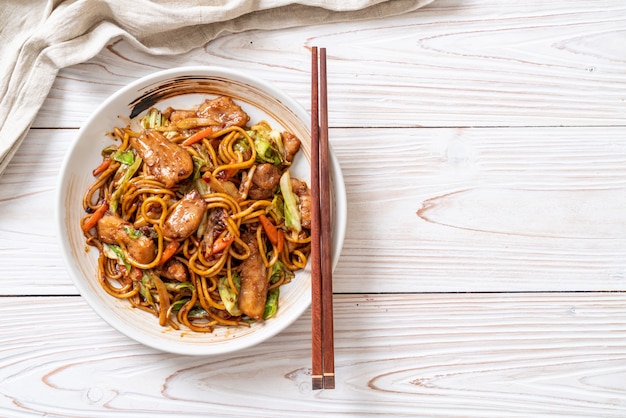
x=183 y=88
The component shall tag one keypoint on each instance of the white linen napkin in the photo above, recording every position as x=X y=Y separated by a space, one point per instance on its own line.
x=39 y=37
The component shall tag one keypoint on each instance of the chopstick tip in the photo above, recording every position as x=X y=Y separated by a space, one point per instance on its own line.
x=329 y=381
x=317 y=382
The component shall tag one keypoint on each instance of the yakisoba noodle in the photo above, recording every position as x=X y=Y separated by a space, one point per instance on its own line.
x=196 y=217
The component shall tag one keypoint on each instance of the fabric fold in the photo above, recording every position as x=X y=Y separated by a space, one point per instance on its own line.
x=41 y=38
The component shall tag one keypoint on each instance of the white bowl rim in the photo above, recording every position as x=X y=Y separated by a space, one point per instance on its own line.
x=339 y=214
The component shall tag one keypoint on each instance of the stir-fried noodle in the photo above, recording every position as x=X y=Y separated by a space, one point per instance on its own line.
x=196 y=217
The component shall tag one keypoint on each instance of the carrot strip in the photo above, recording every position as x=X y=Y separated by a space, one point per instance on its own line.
x=169 y=251
x=95 y=217
x=103 y=166
x=281 y=241
x=229 y=172
x=199 y=136
x=270 y=229
x=221 y=244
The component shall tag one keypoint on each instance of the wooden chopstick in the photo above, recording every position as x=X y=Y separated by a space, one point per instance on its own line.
x=316 y=275
x=328 y=340
x=323 y=358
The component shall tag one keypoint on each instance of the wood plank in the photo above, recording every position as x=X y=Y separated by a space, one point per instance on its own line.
x=401 y=355
x=483 y=209
x=453 y=63
x=30 y=257
x=430 y=210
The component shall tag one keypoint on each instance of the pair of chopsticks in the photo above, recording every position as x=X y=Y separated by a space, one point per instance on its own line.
x=323 y=357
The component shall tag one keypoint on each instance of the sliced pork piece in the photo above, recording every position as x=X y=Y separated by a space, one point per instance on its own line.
x=225 y=111
x=176 y=115
x=253 y=292
x=173 y=270
x=265 y=181
x=303 y=192
x=186 y=216
x=291 y=144
x=167 y=161
x=112 y=229
x=216 y=224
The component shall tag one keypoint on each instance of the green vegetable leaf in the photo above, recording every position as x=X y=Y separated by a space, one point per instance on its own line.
x=268 y=145
x=204 y=153
x=153 y=119
x=228 y=296
x=175 y=307
x=241 y=145
x=129 y=172
x=198 y=163
x=204 y=223
x=271 y=305
x=279 y=270
x=292 y=213
x=177 y=287
x=198 y=312
x=115 y=252
x=277 y=207
x=266 y=152
x=108 y=151
x=124 y=157
x=132 y=232
x=203 y=187
x=277 y=139
x=144 y=288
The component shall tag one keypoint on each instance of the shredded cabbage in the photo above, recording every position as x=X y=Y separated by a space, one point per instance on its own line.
x=279 y=270
x=132 y=232
x=115 y=252
x=153 y=119
x=124 y=157
x=128 y=174
x=292 y=213
x=228 y=296
x=268 y=144
x=144 y=288
x=271 y=305
x=177 y=287
x=266 y=153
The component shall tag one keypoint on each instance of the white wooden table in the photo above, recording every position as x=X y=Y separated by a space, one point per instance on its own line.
x=483 y=145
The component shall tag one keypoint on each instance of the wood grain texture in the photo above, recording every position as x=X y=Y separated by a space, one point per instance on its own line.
x=453 y=63
x=397 y=355
x=30 y=257
x=436 y=210
x=483 y=146
x=483 y=209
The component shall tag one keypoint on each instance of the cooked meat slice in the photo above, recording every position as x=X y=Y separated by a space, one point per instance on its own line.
x=292 y=145
x=141 y=249
x=114 y=230
x=266 y=176
x=167 y=112
x=167 y=161
x=216 y=224
x=109 y=228
x=224 y=110
x=185 y=217
x=258 y=194
x=303 y=192
x=253 y=292
x=173 y=270
x=178 y=115
x=264 y=182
